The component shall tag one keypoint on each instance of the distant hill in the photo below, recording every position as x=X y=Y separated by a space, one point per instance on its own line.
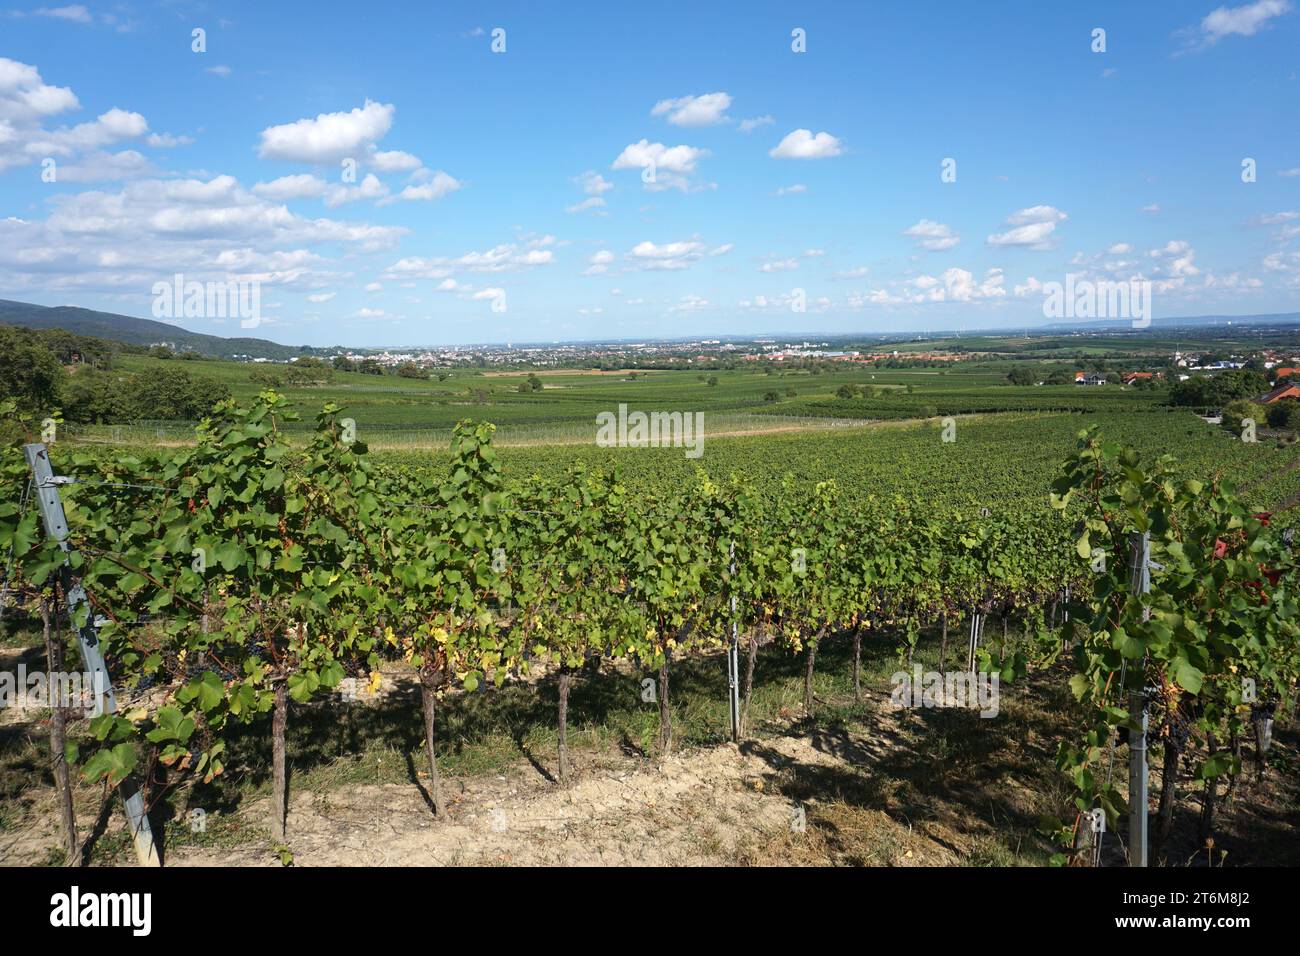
x=1164 y=324
x=133 y=331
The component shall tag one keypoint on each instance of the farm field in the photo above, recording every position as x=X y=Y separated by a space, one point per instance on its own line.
x=1008 y=443
x=392 y=408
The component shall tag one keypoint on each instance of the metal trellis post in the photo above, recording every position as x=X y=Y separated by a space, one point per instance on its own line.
x=46 y=486
x=733 y=654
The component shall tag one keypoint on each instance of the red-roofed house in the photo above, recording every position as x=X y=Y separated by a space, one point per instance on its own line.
x=1282 y=391
x=1281 y=373
x=1131 y=377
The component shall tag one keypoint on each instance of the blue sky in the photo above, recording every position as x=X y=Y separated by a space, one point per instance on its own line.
x=503 y=196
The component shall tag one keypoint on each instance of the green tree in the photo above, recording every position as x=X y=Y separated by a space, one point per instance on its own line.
x=30 y=372
x=1284 y=414
x=1215 y=391
x=171 y=395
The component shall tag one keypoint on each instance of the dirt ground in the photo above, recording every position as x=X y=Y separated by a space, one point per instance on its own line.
x=878 y=787
x=717 y=806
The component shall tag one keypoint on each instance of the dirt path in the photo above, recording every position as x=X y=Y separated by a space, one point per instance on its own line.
x=710 y=807
x=504 y=440
x=692 y=809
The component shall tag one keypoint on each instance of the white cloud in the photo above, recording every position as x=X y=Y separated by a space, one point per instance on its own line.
x=1033 y=228
x=1034 y=236
x=124 y=239
x=675 y=159
x=369 y=188
x=393 y=161
x=958 y=285
x=690 y=303
x=1151 y=209
x=438 y=186
x=368 y=313
x=24 y=96
x=220 y=70
x=1290 y=172
x=748 y=125
x=1173 y=263
x=75 y=13
x=932 y=236
x=598 y=262
x=1232 y=281
x=1245 y=20
x=104 y=167
x=507 y=257
x=672 y=255
x=707 y=109
x=802 y=144
x=26 y=101
x=251 y=260
x=330 y=137
x=671 y=165
x=591 y=202
x=593 y=183
x=1030 y=287
x=300 y=186
x=1035 y=214
x=319 y=297
x=167 y=140
x=1119 y=249
x=779 y=265
x=855 y=273
x=794 y=190
x=1288 y=262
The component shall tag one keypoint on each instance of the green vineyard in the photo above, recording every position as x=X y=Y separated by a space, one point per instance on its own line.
x=228 y=580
